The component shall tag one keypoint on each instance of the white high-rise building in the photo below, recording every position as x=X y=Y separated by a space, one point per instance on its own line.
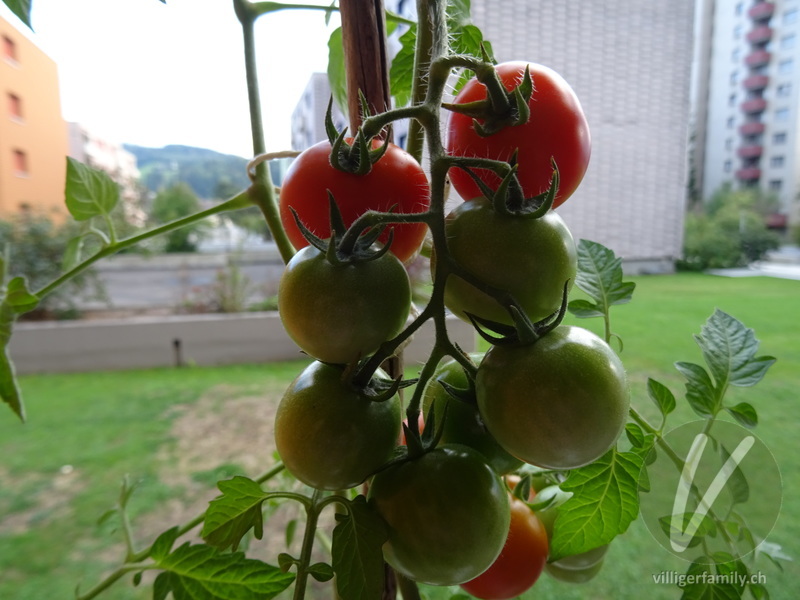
x=748 y=115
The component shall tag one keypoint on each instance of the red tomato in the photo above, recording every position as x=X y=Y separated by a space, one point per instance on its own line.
x=557 y=128
x=521 y=560
x=396 y=180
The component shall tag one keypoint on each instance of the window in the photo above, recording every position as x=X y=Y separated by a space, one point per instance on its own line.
x=782 y=114
x=785 y=66
x=790 y=16
x=730 y=123
x=737 y=32
x=735 y=55
x=739 y=8
x=775 y=185
x=788 y=41
x=15 y=107
x=784 y=90
x=729 y=144
x=732 y=100
x=20 y=162
x=9 y=48
x=779 y=138
x=734 y=77
x=776 y=162
x=728 y=166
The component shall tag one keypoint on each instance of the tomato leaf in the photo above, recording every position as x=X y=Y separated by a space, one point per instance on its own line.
x=604 y=503
x=729 y=349
x=709 y=581
x=700 y=391
x=744 y=413
x=15 y=301
x=233 y=514
x=337 y=77
x=199 y=572
x=89 y=192
x=401 y=73
x=21 y=8
x=663 y=398
x=357 y=558
x=736 y=483
x=600 y=277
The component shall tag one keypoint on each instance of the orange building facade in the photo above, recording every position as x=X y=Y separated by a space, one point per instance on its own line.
x=33 y=134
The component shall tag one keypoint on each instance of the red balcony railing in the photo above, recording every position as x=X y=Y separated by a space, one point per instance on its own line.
x=760 y=34
x=755 y=82
x=751 y=128
x=761 y=11
x=752 y=151
x=748 y=174
x=756 y=105
x=757 y=58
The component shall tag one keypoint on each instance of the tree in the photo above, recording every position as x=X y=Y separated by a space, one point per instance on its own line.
x=173 y=203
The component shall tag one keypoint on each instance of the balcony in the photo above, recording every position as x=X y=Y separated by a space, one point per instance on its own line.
x=756 y=82
x=760 y=34
x=757 y=58
x=756 y=105
x=752 y=128
x=748 y=174
x=751 y=151
x=761 y=11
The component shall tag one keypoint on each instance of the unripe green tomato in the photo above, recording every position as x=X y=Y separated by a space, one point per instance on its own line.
x=338 y=313
x=329 y=435
x=463 y=424
x=559 y=403
x=531 y=259
x=447 y=512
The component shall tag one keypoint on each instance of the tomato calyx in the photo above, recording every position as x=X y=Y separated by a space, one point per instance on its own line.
x=346 y=246
x=523 y=332
x=355 y=155
x=500 y=108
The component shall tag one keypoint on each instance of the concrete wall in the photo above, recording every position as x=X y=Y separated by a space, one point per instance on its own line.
x=142 y=342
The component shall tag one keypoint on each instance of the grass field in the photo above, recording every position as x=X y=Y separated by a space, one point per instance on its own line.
x=177 y=429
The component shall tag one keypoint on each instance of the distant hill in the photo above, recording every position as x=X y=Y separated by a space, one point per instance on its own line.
x=202 y=169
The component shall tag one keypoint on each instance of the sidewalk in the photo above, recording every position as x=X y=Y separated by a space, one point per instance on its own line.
x=783 y=263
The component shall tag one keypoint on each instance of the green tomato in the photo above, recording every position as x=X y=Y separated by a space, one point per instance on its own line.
x=339 y=313
x=329 y=435
x=559 y=403
x=532 y=259
x=463 y=424
x=448 y=515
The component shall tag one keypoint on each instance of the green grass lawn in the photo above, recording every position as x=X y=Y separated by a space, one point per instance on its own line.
x=61 y=471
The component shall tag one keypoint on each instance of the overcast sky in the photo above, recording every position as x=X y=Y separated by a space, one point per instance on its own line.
x=152 y=74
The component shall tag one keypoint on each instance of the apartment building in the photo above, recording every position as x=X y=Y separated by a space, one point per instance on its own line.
x=748 y=124
x=33 y=134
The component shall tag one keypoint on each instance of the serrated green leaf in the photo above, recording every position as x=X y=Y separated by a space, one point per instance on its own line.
x=291 y=528
x=702 y=584
x=337 y=77
x=163 y=545
x=705 y=525
x=635 y=435
x=199 y=572
x=583 y=309
x=700 y=391
x=233 y=514
x=744 y=413
x=89 y=192
x=758 y=591
x=729 y=350
x=21 y=8
x=661 y=395
x=401 y=72
x=600 y=276
x=357 y=558
x=604 y=503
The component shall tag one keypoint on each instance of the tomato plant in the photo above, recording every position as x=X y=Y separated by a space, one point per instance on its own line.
x=462 y=423
x=520 y=562
x=447 y=513
x=558 y=403
x=533 y=259
x=331 y=435
x=395 y=182
x=557 y=129
x=341 y=311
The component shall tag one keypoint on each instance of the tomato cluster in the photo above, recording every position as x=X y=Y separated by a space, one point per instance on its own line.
x=545 y=394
